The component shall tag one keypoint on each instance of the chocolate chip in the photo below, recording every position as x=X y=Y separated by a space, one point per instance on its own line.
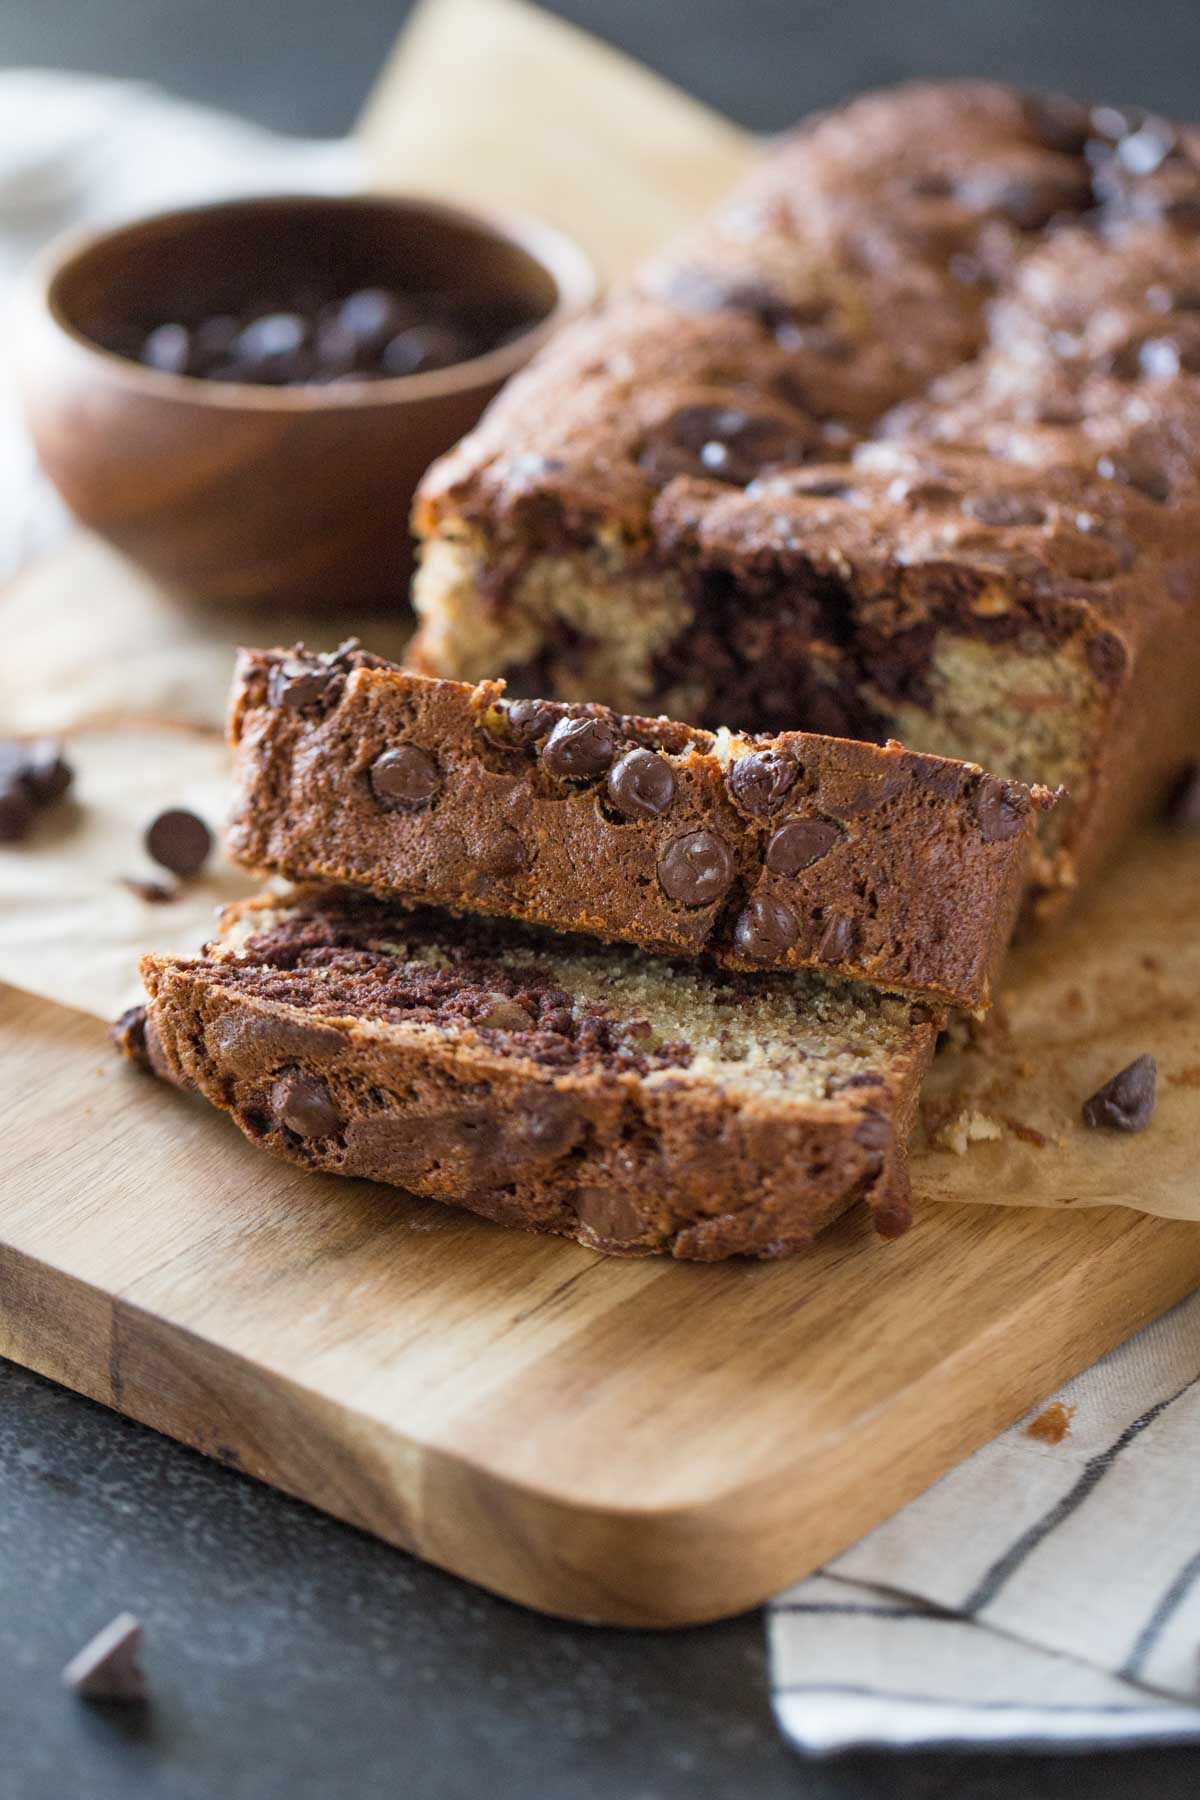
x=128 y=1035
x=501 y=853
x=578 y=748
x=1183 y=805
x=45 y=771
x=423 y=348
x=107 y=1667
x=179 y=841
x=499 y=1013
x=405 y=779
x=1136 y=472
x=800 y=843
x=765 y=930
x=696 y=868
x=1001 y=807
x=759 y=781
x=371 y=317
x=293 y=685
x=168 y=348
x=838 y=940
x=1126 y=1103
x=1003 y=509
x=16 y=812
x=641 y=784
x=302 y=1103
x=267 y=349
x=722 y=443
x=529 y=720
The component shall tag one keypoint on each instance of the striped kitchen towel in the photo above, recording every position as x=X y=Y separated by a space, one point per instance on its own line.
x=1045 y=1594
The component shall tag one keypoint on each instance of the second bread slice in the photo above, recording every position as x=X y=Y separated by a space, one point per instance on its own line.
x=791 y=851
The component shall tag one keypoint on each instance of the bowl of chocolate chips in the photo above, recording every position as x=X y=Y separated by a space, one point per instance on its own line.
x=242 y=397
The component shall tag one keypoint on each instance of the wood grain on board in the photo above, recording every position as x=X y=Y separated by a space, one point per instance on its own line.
x=634 y=1442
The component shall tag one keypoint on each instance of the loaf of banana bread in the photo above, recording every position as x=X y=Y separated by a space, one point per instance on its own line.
x=903 y=441
x=546 y=1082
x=790 y=851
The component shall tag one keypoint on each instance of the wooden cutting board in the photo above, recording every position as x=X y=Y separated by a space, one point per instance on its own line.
x=633 y=1442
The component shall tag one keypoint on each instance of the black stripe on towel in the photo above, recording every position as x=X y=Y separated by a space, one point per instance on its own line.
x=1152 y=1630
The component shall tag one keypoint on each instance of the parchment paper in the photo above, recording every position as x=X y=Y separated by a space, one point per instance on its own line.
x=492 y=101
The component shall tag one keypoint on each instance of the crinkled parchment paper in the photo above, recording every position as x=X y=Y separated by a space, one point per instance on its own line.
x=491 y=100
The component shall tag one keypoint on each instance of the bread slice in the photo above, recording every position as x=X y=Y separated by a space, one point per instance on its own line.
x=792 y=851
x=549 y=1083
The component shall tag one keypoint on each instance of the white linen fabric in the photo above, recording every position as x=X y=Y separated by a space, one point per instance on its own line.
x=1044 y=1593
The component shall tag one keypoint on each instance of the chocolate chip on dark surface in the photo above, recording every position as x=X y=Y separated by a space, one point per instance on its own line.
x=1126 y=1103
x=423 y=348
x=641 y=784
x=838 y=940
x=696 y=868
x=721 y=443
x=405 y=779
x=1003 y=509
x=1183 y=804
x=107 y=1668
x=578 y=748
x=765 y=930
x=799 y=843
x=168 y=348
x=179 y=841
x=759 y=780
x=1001 y=807
x=302 y=1104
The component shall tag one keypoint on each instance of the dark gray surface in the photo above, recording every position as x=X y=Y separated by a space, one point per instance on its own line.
x=288 y=1655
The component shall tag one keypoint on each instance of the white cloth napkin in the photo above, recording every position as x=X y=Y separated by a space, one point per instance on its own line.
x=1043 y=1594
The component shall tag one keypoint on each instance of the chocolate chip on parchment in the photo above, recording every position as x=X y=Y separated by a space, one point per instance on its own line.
x=405 y=779
x=799 y=843
x=578 y=748
x=302 y=1103
x=1001 y=807
x=759 y=780
x=179 y=841
x=838 y=939
x=696 y=868
x=641 y=784
x=107 y=1668
x=1126 y=1103
x=766 y=929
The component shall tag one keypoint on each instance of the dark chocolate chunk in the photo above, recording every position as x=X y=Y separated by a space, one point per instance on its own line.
x=302 y=1103
x=405 y=779
x=759 y=780
x=529 y=720
x=799 y=843
x=1001 y=808
x=641 y=784
x=107 y=1668
x=1183 y=806
x=612 y=1217
x=578 y=748
x=293 y=685
x=722 y=443
x=766 y=929
x=45 y=771
x=696 y=868
x=16 y=811
x=128 y=1034
x=1126 y=1103
x=1003 y=509
x=838 y=940
x=179 y=841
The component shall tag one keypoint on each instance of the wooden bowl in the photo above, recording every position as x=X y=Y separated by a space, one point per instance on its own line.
x=235 y=492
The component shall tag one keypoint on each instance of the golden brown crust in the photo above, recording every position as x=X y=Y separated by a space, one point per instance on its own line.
x=627 y=1152
x=793 y=851
x=928 y=385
